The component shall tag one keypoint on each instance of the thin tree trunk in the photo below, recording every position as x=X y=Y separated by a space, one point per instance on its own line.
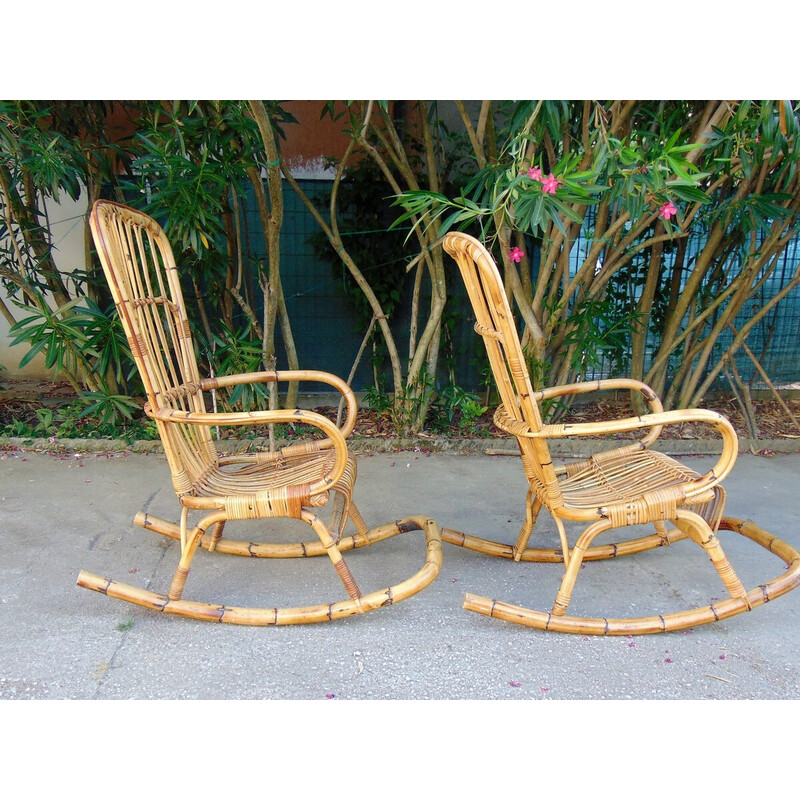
x=639 y=337
x=332 y=232
x=274 y=301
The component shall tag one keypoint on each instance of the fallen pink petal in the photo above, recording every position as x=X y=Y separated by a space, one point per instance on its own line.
x=515 y=684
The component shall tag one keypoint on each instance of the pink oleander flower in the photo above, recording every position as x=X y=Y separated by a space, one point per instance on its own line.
x=515 y=254
x=549 y=184
x=667 y=210
x=535 y=173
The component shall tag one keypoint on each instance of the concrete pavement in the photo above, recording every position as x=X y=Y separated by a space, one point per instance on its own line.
x=67 y=512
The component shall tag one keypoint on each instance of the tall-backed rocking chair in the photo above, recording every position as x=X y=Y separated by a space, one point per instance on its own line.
x=624 y=486
x=292 y=483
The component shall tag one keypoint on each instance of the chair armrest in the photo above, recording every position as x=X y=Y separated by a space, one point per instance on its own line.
x=314 y=376
x=614 y=385
x=609 y=384
x=335 y=437
x=730 y=441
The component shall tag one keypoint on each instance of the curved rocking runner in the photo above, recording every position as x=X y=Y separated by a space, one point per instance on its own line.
x=624 y=486
x=289 y=483
x=606 y=626
x=282 y=616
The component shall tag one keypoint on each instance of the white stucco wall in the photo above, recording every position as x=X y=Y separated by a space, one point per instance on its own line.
x=67 y=221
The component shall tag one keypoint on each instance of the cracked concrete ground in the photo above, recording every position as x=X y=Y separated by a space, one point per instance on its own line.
x=67 y=512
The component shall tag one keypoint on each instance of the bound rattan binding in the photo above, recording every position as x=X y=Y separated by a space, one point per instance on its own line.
x=625 y=486
x=291 y=483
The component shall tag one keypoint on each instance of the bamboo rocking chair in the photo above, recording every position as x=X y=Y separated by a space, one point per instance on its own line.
x=294 y=482
x=624 y=486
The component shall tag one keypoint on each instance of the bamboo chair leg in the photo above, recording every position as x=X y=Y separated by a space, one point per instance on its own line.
x=361 y=527
x=695 y=527
x=343 y=509
x=663 y=533
x=562 y=535
x=335 y=556
x=216 y=535
x=189 y=543
x=699 y=531
x=532 y=507
x=574 y=564
x=339 y=514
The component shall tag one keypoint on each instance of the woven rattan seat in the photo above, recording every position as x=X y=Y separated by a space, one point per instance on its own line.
x=627 y=485
x=247 y=477
x=615 y=476
x=291 y=483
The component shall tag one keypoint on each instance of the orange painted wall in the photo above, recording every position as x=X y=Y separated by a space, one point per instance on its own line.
x=307 y=144
x=313 y=137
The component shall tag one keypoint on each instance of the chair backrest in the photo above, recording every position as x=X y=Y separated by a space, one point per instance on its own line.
x=140 y=269
x=495 y=324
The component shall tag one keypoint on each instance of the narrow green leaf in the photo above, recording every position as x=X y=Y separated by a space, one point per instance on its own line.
x=32 y=353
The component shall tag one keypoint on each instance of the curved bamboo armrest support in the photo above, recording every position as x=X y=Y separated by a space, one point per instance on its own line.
x=610 y=384
x=730 y=442
x=334 y=439
x=312 y=376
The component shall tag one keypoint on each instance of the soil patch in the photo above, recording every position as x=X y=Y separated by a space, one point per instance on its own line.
x=19 y=402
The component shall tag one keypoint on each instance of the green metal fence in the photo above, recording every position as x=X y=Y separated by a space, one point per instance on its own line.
x=328 y=337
